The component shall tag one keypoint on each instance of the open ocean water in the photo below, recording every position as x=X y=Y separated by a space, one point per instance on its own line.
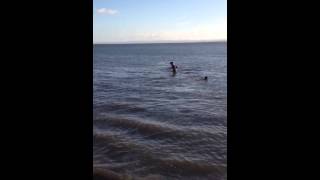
x=152 y=124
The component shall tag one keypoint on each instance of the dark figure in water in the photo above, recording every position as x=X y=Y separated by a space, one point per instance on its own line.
x=205 y=78
x=173 y=67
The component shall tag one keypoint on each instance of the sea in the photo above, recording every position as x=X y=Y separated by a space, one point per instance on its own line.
x=151 y=123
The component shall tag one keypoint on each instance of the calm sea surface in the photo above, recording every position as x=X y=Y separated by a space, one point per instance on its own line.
x=152 y=124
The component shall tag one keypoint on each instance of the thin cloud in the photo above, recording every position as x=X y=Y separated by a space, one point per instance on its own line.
x=107 y=11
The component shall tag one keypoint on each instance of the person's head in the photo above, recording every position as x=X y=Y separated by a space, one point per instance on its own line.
x=171 y=63
x=205 y=78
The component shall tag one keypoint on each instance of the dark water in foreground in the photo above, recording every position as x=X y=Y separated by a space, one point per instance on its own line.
x=151 y=124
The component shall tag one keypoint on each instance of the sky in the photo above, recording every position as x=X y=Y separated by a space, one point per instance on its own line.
x=117 y=21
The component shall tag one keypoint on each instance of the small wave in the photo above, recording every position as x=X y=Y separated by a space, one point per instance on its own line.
x=191 y=167
x=159 y=129
x=121 y=107
x=105 y=174
x=167 y=168
x=147 y=128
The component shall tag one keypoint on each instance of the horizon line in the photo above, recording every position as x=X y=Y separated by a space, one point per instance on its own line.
x=160 y=42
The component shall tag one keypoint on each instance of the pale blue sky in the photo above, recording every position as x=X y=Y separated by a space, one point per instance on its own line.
x=159 y=20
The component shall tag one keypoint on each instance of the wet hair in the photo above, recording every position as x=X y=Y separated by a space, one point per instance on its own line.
x=205 y=78
x=171 y=62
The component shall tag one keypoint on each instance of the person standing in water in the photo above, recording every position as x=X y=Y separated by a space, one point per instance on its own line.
x=173 y=67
